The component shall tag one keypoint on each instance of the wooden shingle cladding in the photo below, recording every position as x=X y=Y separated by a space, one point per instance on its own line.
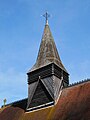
x=48 y=52
x=47 y=77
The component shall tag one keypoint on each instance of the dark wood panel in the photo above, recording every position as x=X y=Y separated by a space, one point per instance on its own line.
x=41 y=96
x=51 y=69
x=42 y=72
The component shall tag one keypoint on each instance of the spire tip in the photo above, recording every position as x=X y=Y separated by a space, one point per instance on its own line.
x=46 y=15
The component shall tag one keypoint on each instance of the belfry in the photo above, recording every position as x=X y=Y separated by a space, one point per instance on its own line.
x=48 y=76
x=50 y=96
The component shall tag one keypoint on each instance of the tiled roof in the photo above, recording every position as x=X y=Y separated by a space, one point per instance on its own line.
x=74 y=104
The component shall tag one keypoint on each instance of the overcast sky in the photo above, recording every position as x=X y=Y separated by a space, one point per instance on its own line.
x=21 y=29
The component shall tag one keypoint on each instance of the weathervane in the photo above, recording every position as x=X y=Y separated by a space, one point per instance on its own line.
x=46 y=15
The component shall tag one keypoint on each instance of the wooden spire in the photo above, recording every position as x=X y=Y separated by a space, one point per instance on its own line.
x=47 y=52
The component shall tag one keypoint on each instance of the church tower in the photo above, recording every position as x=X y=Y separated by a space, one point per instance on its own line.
x=48 y=76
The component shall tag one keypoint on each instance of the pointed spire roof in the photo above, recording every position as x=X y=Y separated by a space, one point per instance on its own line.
x=47 y=52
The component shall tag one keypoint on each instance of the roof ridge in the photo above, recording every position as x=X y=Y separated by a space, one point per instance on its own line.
x=78 y=83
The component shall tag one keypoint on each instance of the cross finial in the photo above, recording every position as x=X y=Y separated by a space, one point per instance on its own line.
x=46 y=15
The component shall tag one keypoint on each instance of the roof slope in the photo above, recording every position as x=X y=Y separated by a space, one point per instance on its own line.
x=48 y=52
x=74 y=104
x=11 y=113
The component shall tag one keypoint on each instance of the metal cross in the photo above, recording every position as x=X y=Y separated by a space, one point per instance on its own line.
x=46 y=15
